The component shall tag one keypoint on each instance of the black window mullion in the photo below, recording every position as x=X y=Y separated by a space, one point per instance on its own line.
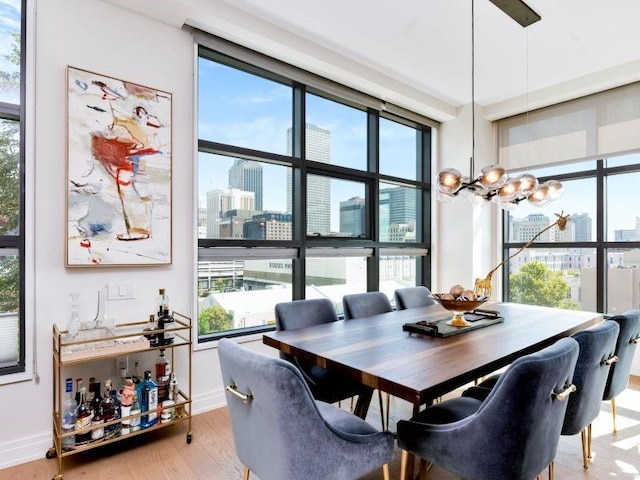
x=372 y=202
x=601 y=252
x=299 y=192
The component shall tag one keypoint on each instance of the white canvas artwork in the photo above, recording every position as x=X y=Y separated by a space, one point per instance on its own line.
x=118 y=172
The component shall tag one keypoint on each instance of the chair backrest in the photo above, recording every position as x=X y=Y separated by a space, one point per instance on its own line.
x=360 y=305
x=304 y=313
x=597 y=345
x=517 y=428
x=279 y=432
x=625 y=349
x=413 y=297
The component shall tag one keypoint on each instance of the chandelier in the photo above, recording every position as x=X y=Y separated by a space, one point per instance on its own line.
x=493 y=184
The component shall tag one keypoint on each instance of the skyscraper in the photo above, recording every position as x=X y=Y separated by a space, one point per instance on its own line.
x=318 y=149
x=352 y=217
x=527 y=228
x=583 y=224
x=220 y=201
x=246 y=175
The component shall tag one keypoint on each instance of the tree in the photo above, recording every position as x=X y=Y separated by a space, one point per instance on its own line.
x=214 y=319
x=537 y=284
x=10 y=188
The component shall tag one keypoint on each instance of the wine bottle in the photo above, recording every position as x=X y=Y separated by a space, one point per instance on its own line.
x=135 y=410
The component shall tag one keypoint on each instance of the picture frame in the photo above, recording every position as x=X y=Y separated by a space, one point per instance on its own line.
x=119 y=168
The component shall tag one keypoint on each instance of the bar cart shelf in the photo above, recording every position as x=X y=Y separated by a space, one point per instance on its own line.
x=129 y=339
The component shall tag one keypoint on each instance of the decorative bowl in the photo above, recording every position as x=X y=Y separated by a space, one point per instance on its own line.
x=458 y=307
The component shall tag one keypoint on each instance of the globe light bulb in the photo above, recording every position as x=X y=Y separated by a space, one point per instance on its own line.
x=528 y=184
x=493 y=176
x=540 y=197
x=449 y=180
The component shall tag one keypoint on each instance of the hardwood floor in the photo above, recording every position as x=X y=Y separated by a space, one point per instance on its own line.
x=164 y=454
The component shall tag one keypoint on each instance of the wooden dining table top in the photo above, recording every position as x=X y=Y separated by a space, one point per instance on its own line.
x=377 y=352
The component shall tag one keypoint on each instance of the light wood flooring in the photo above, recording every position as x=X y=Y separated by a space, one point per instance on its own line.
x=164 y=454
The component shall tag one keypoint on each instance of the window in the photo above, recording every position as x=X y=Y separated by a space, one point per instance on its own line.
x=593 y=263
x=293 y=201
x=12 y=321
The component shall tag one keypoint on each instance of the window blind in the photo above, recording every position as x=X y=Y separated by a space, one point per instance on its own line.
x=595 y=126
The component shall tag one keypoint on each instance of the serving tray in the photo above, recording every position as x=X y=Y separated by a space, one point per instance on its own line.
x=438 y=327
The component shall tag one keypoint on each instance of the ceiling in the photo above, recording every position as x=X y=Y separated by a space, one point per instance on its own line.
x=417 y=53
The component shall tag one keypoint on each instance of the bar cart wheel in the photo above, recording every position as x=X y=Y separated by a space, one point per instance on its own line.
x=51 y=453
x=58 y=477
x=189 y=437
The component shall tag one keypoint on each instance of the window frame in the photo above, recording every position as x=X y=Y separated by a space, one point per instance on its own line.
x=13 y=112
x=601 y=245
x=301 y=243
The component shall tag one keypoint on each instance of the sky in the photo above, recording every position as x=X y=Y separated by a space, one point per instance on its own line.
x=249 y=111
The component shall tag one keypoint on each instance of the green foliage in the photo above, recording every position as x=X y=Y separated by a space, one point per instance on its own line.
x=9 y=284
x=221 y=285
x=214 y=319
x=11 y=80
x=9 y=177
x=537 y=284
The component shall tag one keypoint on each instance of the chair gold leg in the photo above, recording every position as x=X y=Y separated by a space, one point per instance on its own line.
x=552 y=472
x=388 y=409
x=385 y=471
x=403 y=464
x=538 y=477
x=613 y=414
x=246 y=474
x=381 y=411
x=585 y=449
x=589 y=443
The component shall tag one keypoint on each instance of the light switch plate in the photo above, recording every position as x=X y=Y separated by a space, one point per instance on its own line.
x=121 y=291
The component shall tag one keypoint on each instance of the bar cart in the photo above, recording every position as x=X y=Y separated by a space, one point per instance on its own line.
x=129 y=338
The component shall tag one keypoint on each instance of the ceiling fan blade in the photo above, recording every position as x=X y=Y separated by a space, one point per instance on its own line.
x=518 y=10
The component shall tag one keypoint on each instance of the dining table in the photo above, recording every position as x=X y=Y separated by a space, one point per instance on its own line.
x=377 y=352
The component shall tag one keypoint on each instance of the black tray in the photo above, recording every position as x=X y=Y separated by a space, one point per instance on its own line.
x=438 y=327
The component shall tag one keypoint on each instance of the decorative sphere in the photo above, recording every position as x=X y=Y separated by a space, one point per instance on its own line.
x=456 y=290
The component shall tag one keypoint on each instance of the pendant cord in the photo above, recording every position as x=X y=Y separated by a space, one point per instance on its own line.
x=473 y=99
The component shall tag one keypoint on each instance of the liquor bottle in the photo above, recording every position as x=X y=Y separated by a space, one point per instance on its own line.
x=154 y=338
x=97 y=421
x=163 y=370
x=173 y=388
x=69 y=407
x=83 y=419
x=126 y=402
x=109 y=410
x=134 y=424
x=78 y=387
x=148 y=398
x=165 y=320
x=96 y=400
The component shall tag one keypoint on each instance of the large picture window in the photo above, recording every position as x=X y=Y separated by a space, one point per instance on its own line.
x=12 y=318
x=594 y=263
x=303 y=189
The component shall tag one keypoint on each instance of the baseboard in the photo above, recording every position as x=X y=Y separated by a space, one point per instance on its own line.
x=24 y=450
x=205 y=402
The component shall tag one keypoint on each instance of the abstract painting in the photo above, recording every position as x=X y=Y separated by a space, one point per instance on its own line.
x=118 y=172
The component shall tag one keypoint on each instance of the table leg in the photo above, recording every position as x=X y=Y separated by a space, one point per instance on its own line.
x=362 y=405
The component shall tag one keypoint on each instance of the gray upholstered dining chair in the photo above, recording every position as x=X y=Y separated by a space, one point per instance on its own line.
x=413 y=297
x=596 y=357
x=325 y=385
x=360 y=305
x=512 y=434
x=281 y=433
x=628 y=340
x=597 y=346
